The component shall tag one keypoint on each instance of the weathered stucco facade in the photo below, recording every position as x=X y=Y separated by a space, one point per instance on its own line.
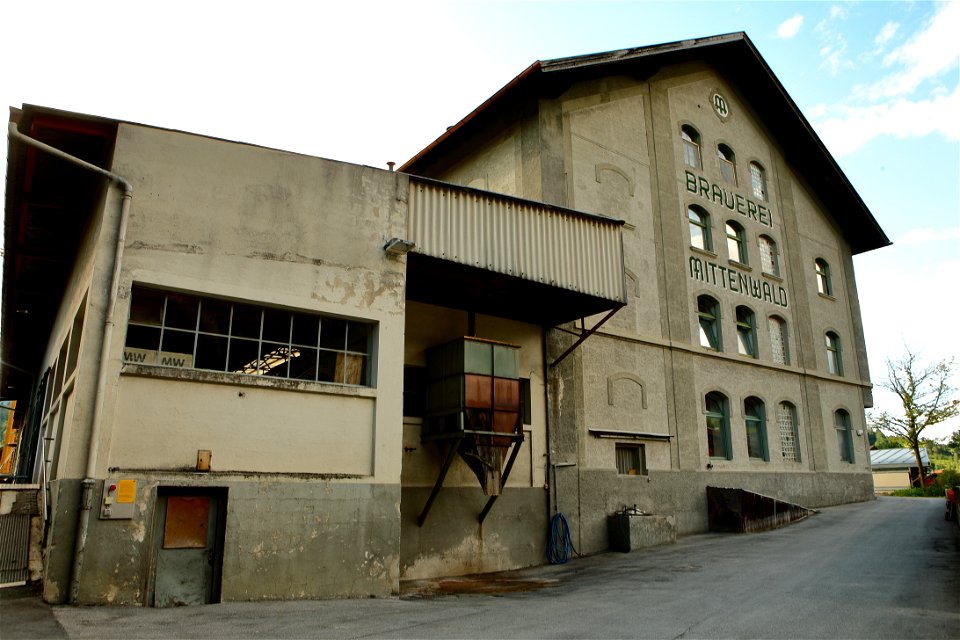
x=259 y=405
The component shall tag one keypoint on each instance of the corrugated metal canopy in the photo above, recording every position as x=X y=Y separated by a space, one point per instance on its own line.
x=509 y=257
x=897 y=458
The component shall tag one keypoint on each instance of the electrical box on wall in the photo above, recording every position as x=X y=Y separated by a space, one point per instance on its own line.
x=119 y=498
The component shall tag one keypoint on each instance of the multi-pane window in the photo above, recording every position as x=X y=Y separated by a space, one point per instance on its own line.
x=779 y=343
x=769 y=256
x=196 y=332
x=824 y=285
x=758 y=181
x=834 y=356
x=787 y=422
x=844 y=435
x=755 y=420
x=631 y=460
x=746 y=332
x=718 y=426
x=736 y=242
x=708 y=312
x=699 y=222
x=690 y=139
x=728 y=163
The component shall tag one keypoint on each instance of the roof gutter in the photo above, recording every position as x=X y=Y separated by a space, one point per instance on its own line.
x=86 y=500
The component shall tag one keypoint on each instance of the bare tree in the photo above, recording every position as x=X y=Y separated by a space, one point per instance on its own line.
x=926 y=396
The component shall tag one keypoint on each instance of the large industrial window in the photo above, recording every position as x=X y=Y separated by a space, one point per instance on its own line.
x=699 y=221
x=746 y=332
x=708 y=312
x=824 y=285
x=758 y=181
x=736 y=242
x=834 y=355
x=195 y=332
x=631 y=460
x=779 y=342
x=844 y=435
x=787 y=422
x=718 y=426
x=728 y=163
x=769 y=256
x=755 y=419
x=691 y=146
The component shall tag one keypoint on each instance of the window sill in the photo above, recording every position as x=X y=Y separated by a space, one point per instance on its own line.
x=703 y=252
x=242 y=380
x=826 y=296
x=740 y=265
x=772 y=276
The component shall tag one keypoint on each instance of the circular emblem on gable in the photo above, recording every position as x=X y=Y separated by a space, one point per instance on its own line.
x=720 y=105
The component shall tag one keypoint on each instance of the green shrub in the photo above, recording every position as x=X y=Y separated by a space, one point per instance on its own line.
x=937 y=488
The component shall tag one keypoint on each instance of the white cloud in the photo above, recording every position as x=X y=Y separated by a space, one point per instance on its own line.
x=790 y=27
x=885 y=107
x=930 y=53
x=851 y=127
x=834 y=56
x=886 y=33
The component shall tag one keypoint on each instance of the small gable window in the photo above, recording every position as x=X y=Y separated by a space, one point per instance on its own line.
x=736 y=242
x=824 y=285
x=699 y=221
x=758 y=181
x=690 y=138
x=769 y=256
x=708 y=313
x=728 y=164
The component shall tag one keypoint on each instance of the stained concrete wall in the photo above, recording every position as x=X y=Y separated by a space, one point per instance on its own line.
x=451 y=541
x=313 y=470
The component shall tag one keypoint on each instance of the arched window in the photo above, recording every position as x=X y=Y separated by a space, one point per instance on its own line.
x=779 y=344
x=769 y=256
x=736 y=242
x=755 y=420
x=834 y=355
x=708 y=311
x=699 y=221
x=844 y=435
x=824 y=285
x=718 y=426
x=789 y=440
x=728 y=163
x=746 y=332
x=758 y=180
x=691 y=146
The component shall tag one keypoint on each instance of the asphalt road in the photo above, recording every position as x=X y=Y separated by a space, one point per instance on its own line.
x=889 y=568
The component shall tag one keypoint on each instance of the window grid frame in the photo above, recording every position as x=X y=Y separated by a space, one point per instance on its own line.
x=233 y=341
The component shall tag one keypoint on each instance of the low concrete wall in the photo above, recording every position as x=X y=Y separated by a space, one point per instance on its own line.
x=451 y=541
x=682 y=494
x=283 y=540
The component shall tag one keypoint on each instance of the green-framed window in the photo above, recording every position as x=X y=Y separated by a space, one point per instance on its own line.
x=699 y=223
x=708 y=315
x=844 y=435
x=718 y=425
x=746 y=332
x=755 y=421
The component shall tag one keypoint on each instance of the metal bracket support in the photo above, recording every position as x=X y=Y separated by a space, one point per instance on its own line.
x=584 y=336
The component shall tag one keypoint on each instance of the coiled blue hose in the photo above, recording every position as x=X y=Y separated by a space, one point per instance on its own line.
x=559 y=543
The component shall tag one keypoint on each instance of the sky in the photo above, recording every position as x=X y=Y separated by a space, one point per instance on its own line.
x=372 y=82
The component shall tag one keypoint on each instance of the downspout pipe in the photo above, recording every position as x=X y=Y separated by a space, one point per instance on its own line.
x=89 y=481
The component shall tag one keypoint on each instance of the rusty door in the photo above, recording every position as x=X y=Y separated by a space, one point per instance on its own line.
x=188 y=534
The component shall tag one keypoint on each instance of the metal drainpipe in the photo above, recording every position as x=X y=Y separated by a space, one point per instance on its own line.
x=86 y=500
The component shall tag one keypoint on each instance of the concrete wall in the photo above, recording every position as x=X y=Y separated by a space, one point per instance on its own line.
x=311 y=470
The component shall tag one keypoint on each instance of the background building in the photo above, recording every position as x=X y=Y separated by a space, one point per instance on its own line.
x=253 y=374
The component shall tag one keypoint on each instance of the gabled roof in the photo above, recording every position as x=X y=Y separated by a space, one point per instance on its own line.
x=897 y=458
x=735 y=57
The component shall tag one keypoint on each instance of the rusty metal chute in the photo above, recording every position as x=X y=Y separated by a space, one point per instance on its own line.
x=473 y=409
